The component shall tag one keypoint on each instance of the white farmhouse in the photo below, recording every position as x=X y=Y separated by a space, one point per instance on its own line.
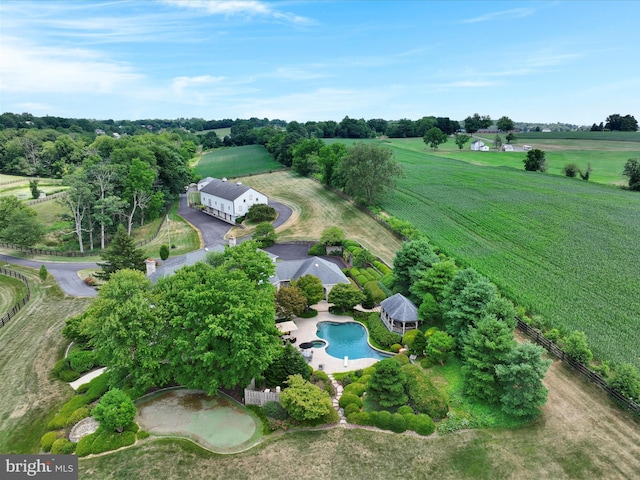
x=477 y=145
x=227 y=200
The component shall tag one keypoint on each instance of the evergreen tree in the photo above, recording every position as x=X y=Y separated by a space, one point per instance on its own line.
x=469 y=307
x=439 y=346
x=43 y=273
x=419 y=344
x=486 y=345
x=520 y=378
x=289 y=361
x=387 y=384
x=121 y=253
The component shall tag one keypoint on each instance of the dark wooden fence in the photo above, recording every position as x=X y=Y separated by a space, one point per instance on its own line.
x=16 y=308
x=581 y=368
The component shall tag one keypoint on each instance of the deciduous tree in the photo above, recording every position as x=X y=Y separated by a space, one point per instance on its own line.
x=505 y=124
x=345 y=296
x=461 y=139
x=332 y=236
x=304 y=401
x=434 y=138
x=311 y=287
x=265 y=235
x=632 y=170
x=288 y=361
x=115 y=410
x=369 y=172
x=290 y=302
x=535 y=161
x=475 y=122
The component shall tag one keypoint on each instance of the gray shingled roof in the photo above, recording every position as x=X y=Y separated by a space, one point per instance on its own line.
x=400 y=308
x=226 y=190
x=328 y=273
x=171 y=265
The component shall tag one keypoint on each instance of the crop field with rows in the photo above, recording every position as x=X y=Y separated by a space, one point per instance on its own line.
x=236 y=162
x=566 y=249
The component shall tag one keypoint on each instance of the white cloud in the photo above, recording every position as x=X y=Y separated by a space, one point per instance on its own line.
x=181 y=85
x=504 y=14
x=34 y=68
x=238 y=7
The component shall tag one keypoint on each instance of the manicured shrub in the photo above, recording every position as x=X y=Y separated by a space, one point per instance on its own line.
x=355 y=251
x=331 y=417
x=83 y=361
x=354 y=272
x=402 y=359
x=424 y=425
x=373 y=418
x=359 y=418
x=322 y=381
x=430 y=331
x=84 y=445
x=309 y=313
x=115 y=410
x=47 y=440
x=260 y=212
x=395 y=348
x=349 y=398
x=409 y=337
x=69 y=375
x=317 y=250
x=355 y=389
x=142 y=434
x=384 y=420
x=382 y=267
x=380 y=333
x=372 y=287
x=397 y=424
x=350 y=244
x=77 y=415
x=346 y=380
x=404 y=409
x=97 y=387
x=61 y=420
x=388 y=279
x=68 y=448
x=364 y=379
x=59 y=445
x=362 y=280
x=411 y=419
x=424 y=397
x=275 y=411
x=164 y=252
x=368 y=371
x=351 y=408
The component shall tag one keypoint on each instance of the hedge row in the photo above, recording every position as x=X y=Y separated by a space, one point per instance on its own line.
x=424 y=397
x=396 y=422
x=380 y=333
x=103 y=440
x=374 y=290
x=76 y=408
x=382 y=268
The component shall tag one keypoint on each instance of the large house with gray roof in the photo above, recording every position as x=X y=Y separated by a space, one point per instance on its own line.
x=228 y=200
x=399 y=314
x=328 y=273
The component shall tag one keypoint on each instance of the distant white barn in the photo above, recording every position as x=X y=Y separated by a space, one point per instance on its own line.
x=227 y=200
x=477 y=145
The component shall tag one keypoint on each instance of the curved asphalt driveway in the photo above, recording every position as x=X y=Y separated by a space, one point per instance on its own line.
x=211 y=229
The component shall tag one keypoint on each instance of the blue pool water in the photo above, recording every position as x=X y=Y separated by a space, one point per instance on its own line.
x=347 y=340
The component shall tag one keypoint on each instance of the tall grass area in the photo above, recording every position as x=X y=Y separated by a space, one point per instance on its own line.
x=566 y=249
x=236 y=162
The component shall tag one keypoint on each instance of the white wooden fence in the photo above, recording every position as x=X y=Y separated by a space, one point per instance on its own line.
x=257 y=397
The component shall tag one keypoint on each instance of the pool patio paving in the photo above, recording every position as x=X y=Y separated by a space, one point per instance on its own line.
x=307 y=332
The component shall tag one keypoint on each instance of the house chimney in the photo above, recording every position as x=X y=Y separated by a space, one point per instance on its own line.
x=151 y=266
x=239 y=183
x=224 y=179
x=232 y=241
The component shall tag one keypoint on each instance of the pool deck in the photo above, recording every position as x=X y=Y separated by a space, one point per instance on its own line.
x=307 y=332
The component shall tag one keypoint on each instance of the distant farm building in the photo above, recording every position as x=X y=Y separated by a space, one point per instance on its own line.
x=476 y=145
x=227 y=200
x=507 y=148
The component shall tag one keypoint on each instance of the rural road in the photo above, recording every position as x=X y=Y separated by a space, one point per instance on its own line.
x=211 y=229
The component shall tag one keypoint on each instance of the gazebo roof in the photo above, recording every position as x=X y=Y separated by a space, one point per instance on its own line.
x=400 y=308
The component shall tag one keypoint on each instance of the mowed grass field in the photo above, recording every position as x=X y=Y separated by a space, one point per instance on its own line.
x=316 y=208
x=236 y=162
x=563 y=248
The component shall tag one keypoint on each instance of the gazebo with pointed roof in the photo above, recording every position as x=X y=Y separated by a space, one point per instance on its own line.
x=399 y=314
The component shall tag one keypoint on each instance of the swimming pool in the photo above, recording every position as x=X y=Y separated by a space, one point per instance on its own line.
x=347 y=340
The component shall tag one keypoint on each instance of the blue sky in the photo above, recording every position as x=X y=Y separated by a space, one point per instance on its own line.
x=560 y=61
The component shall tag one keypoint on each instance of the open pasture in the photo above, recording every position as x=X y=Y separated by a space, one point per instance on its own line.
x=236 y=162
x=563 y=248
x=607 y=158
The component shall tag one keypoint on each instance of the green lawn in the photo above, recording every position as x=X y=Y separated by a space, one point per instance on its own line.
x=561 y=247
x=236 y=162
